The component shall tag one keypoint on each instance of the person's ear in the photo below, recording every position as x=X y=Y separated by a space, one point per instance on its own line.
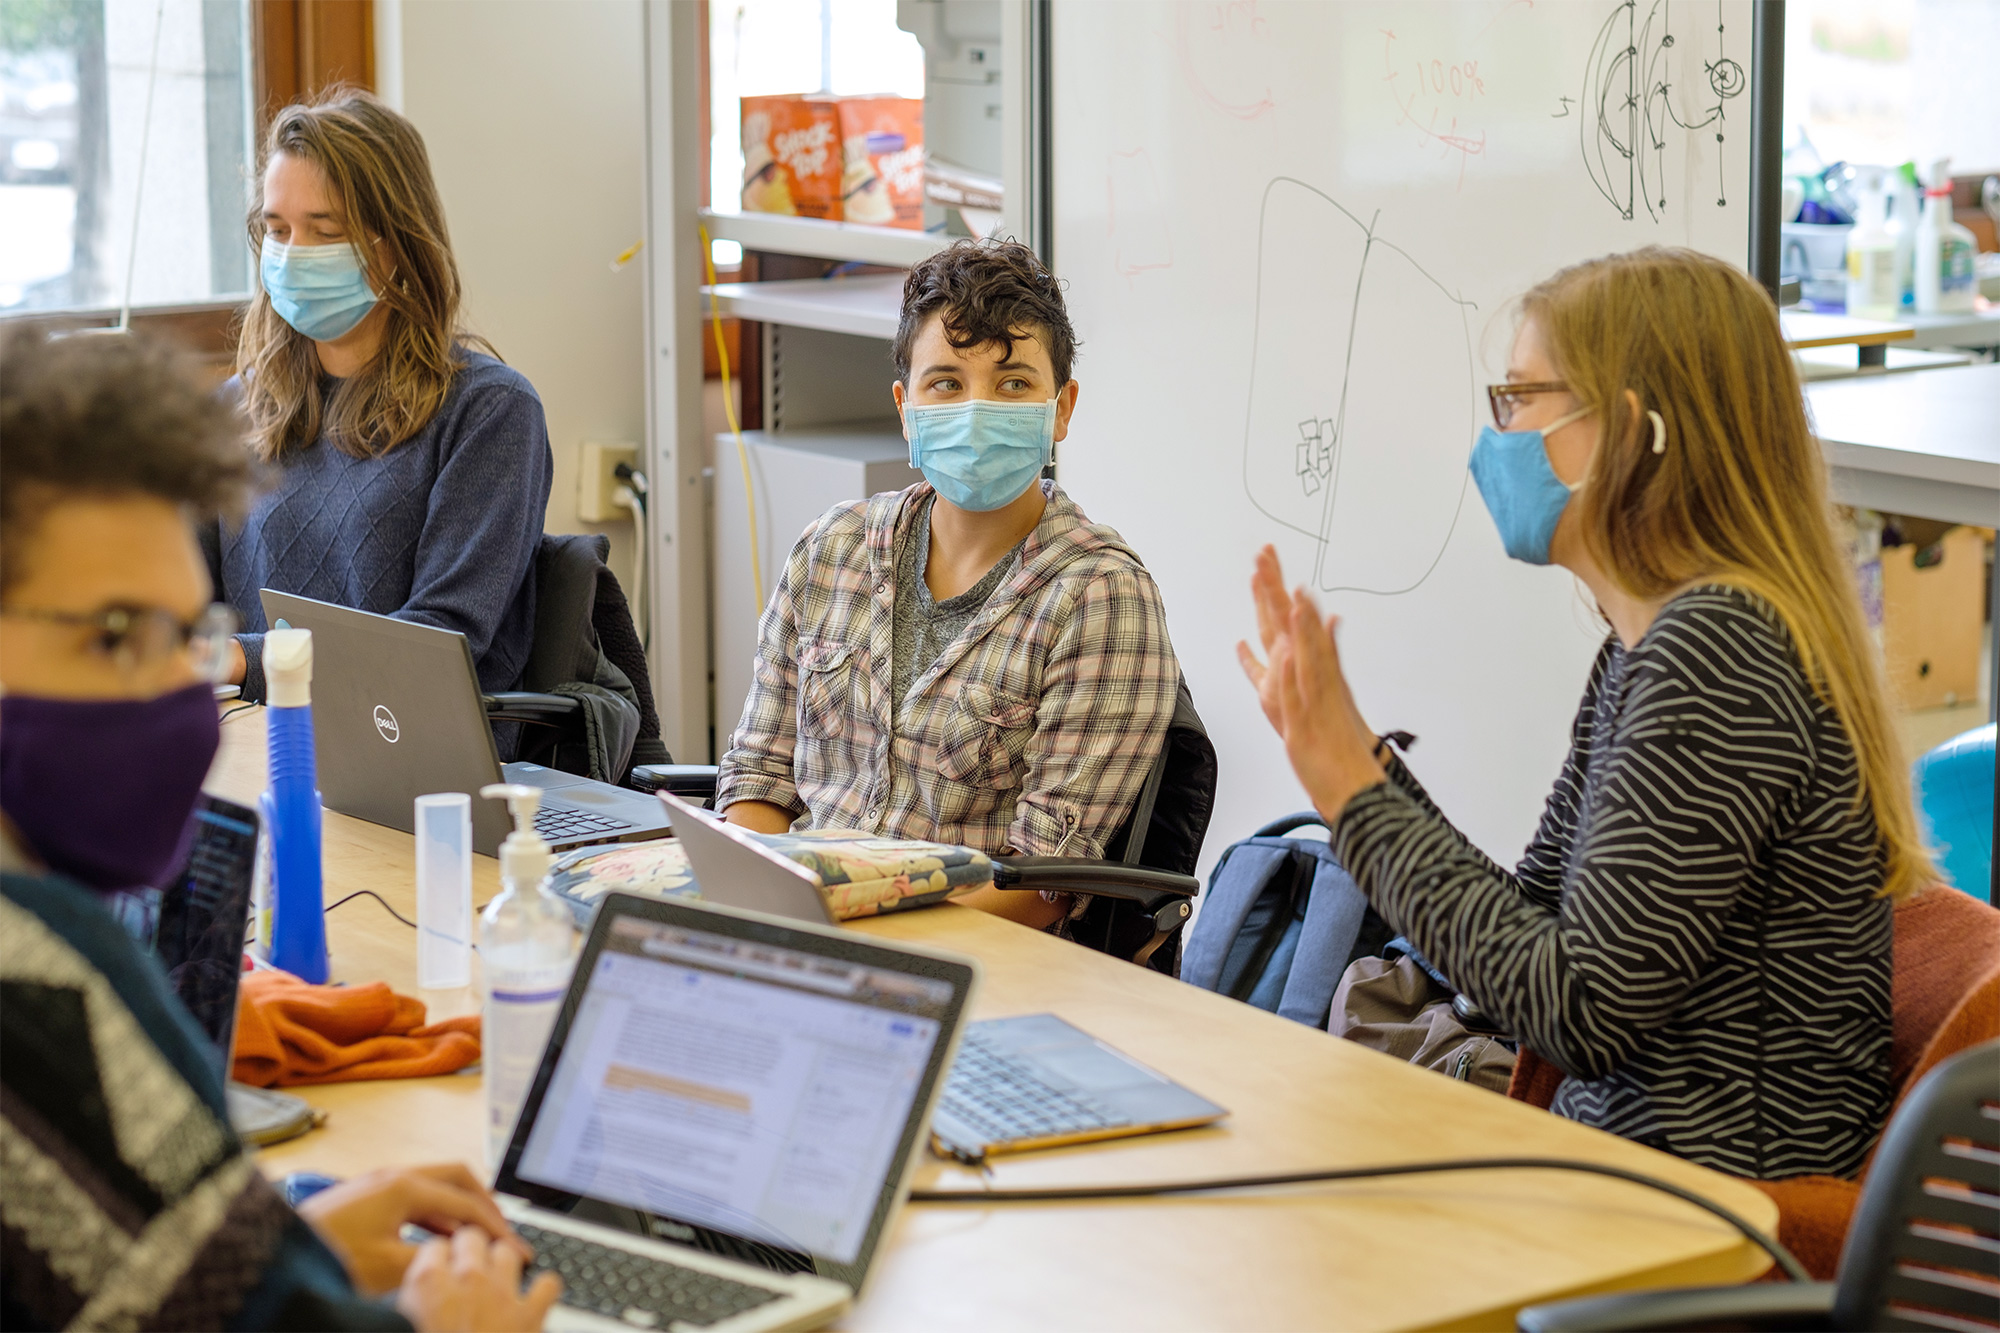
x=1065 y=404
x=897 y=392
x=1634 y=414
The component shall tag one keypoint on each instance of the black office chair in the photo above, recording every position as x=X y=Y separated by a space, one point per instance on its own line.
x=586 y=702
x=1922 y=1251
x=1141 y=893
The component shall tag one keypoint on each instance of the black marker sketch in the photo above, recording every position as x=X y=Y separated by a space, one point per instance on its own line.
x=1628 y=105
x=1567 y=103
x=1359 y=421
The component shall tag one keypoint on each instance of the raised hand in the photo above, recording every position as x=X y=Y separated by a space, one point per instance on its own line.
x=1305 y=695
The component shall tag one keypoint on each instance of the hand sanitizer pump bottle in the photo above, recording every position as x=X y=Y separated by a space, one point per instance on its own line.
x=527 y=947
x=292 y=810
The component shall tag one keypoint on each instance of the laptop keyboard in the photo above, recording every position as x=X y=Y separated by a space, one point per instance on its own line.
x=637 y=1288
x=1005 y=1100
x=554 y=824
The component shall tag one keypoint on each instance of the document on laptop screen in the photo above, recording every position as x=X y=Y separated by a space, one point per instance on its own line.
x=736 y=1085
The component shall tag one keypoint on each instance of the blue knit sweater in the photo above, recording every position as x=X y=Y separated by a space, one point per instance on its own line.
x=441 y=530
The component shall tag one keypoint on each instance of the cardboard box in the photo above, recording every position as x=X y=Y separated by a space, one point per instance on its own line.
x=1933 y=621
x=853 y=159
x=792 y=156
x=882 y=144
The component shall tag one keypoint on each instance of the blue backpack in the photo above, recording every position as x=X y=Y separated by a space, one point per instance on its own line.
x=1280 y=922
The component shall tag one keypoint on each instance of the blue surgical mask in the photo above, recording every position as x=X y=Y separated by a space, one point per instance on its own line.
x=1521 y=490
x=320 y=290
x=981 y=455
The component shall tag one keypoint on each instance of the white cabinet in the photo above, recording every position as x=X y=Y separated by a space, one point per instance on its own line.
x=797 y=477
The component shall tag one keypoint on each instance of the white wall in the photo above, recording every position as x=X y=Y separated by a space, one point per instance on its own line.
x=534 y=115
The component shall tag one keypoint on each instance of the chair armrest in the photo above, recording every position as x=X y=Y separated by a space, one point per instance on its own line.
x=527 y=706
x=1106 y=879
x=690 y=782
x=1758 y=1305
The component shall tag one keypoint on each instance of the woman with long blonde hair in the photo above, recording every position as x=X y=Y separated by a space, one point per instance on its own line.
x=413 y=467
x=1699 y=933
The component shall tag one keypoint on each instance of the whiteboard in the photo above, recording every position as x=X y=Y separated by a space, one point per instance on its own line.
x=1291 y=234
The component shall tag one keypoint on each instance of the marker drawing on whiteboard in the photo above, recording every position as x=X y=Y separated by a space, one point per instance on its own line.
x=1629 y=106
x=1359 y=421
x=1430 y=97
x=1227 y=28
x=1135 y=217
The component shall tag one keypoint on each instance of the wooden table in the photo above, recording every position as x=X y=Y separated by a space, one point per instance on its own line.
x=1804 y=329
x=1446 y=1251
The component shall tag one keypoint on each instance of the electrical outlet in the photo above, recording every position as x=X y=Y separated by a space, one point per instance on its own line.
x=597 y=481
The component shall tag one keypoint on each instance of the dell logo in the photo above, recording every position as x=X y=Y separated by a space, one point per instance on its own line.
x=385 y=722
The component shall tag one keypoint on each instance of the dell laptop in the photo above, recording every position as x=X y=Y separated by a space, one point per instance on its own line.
x=721 y=1129
x=398 y=715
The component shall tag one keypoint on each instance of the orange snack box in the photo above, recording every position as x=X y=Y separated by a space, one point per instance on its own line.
x=792 y=156
x=882 y=149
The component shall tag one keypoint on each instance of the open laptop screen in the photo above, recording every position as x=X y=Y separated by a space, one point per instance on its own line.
x=738 y=1084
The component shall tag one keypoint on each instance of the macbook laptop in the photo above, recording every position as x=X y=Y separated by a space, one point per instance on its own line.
x=196 y=928
x=1033 y=1081
x=734 y=869
x=723 y=1121
x=397 y=714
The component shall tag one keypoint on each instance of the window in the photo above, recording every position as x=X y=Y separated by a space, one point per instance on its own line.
x=125 y=151
x=1892 y=81
x=757 y=47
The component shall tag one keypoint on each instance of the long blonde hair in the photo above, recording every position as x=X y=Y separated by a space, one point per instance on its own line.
x=380 y=179
x=1739 y=494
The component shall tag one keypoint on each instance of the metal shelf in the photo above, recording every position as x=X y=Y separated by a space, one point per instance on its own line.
x=849 y=242
x=869 y=306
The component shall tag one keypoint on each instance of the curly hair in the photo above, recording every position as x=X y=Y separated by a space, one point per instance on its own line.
x=110 y=416
x=990 y=292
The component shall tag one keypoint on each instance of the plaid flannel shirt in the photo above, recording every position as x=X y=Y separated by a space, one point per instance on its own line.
x=1032 y=733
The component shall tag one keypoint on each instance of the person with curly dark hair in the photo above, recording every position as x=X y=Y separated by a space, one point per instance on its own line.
x=126 y=1199
x=971 y=660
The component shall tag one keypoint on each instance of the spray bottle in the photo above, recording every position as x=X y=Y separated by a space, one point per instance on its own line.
x=292 y=809
x=1874 y=286
x=527 y=947
x=1945 y=279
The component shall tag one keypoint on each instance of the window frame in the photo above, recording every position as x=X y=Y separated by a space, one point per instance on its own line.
x=297 y=47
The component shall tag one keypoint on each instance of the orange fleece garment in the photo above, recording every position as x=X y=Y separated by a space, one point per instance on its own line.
x=290 y=1033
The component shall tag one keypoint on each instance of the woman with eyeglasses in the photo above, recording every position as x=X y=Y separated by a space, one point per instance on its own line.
x=1699 y=933
x=413 y=467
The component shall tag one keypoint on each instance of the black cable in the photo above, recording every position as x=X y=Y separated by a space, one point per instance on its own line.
x=370 y=893
x=240 y=708
x=1793 y=1269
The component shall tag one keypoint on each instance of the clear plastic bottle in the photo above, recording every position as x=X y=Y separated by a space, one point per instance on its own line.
x=1945 y=280
x=1874 y=287
x=527 y=949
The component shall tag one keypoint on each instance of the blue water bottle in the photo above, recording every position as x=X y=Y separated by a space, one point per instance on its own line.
x=291 y=808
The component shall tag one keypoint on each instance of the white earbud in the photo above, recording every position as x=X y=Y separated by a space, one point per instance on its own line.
x=1659 y=432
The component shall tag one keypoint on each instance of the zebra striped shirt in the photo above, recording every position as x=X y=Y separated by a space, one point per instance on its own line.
x=1696 y=935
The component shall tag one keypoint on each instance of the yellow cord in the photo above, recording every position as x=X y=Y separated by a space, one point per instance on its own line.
x=729 y=406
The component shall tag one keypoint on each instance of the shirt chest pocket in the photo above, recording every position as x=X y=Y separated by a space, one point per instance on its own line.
x=985 y=737
x=827 y=690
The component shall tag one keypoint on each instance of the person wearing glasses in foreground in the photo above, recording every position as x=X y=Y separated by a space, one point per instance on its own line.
x=125 y=1199
x=1699 y=934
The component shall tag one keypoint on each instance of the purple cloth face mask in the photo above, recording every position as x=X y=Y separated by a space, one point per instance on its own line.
x=104 y=790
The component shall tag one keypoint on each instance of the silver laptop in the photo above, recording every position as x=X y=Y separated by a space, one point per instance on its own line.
x=397 y=715
x=722 y=1126
x=736 y=870
x=1022 y=1083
